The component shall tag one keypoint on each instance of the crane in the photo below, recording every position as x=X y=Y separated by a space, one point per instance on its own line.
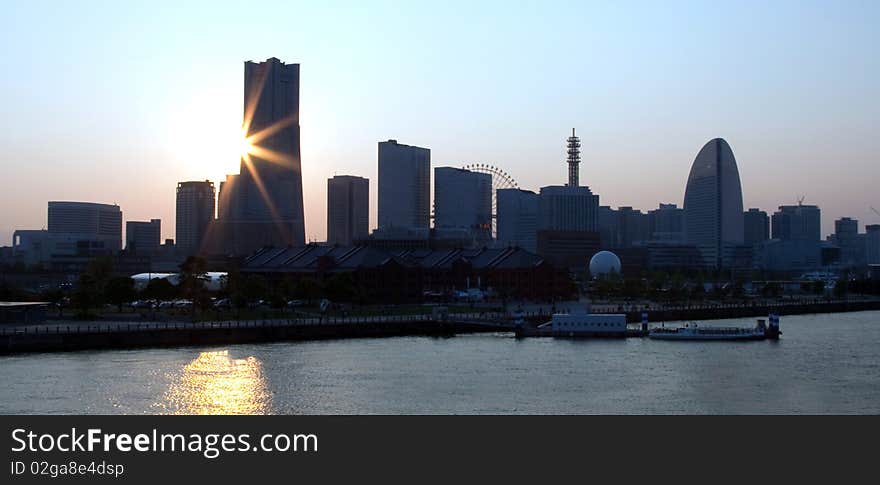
x=875 y=211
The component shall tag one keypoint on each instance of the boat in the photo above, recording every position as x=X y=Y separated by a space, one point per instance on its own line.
x=693 y=331
x=579 y=323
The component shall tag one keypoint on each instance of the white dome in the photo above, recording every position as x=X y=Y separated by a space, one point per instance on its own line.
x=603 y=263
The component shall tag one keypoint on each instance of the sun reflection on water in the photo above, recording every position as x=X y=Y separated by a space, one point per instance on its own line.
x=215 y=383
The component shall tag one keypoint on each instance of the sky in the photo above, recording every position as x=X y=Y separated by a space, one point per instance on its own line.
x=116 y=102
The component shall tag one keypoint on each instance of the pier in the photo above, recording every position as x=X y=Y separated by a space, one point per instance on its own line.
x=60 y=336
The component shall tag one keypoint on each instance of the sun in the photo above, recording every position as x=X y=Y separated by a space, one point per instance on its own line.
x=203 y=136
x=247 y=146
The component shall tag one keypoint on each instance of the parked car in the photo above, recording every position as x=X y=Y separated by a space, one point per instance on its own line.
x=295 y=303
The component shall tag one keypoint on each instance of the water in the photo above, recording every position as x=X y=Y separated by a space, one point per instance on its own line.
x=823 y=364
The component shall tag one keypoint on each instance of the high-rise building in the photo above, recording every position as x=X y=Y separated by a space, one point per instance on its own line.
x=348 y=209
x=404 y=185
x=87 y=221
x=567 y=208
x=666 y=223
x=756 y=227
x=872 y=243
x=517 y=218
x=263 y=203
x=143 y=237
x=463 y=200
x=797 y=223
x=195 y=213
x=846 y=237
x=713 y=208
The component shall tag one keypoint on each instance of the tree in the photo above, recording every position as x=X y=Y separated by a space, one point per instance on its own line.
x=55 y=296
x=339 y=287
x=307 y=289
x=841 y=288
x=159 y=289
x=86 y=294
x=120 y=290
x=255 y=287
x=193 y=276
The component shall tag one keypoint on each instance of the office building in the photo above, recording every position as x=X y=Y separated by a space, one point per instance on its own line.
x=143 y=237
x=348 y=209
x=872 y=243
x=517 y=218
x=846 y=237
x=797 y=223
x=713 y=208
x=404 y=185
x=87 y=221
x=756 y=227
x=463 y=200
x=666 y=223
x=263 y=203
x=195 y=213
x=567 y=208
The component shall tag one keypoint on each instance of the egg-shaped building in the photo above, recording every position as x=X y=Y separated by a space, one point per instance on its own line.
x=713 y=204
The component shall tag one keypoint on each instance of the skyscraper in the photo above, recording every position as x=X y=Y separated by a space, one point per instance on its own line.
x=713 y=207
x=517 y=218
x=846 y=236
x=756 y=227
x=463 y=200
x=195 y=213
x=404 y=185
x=566 y=208
x=348 y=209
x=797 y=223
x=263 y=203
x=143 y=237
x=872 y=243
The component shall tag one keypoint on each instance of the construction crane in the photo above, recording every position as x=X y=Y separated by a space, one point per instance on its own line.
x=875 y=211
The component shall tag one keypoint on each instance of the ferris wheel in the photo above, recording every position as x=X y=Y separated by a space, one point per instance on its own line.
x=500 y=180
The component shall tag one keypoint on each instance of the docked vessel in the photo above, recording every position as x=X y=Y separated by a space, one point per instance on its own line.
x=580 y=323
x=693 y=331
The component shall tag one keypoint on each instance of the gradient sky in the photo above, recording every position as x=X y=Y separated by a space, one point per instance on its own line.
x=118 y=101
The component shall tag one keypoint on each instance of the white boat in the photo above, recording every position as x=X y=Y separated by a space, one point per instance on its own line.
x=693 y=331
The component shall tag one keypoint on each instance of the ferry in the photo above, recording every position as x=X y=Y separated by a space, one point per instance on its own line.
x=693 y=331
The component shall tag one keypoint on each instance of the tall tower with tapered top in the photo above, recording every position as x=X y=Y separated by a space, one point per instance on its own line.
x=574 y=159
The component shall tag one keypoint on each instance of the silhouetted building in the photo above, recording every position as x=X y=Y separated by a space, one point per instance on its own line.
x=797 y=223
x=87 y=221
x=872 y=243
x=404 y=185
x=713 y=208
x=463 y=199
x=666 y=223
x=792 y=255
x=566 y=208
x=143 y=237
x=566 y=248
x=846 y=237
x=348 y=209
x=517 y=218
x=756 y=227
x=263 y=204
x=195 y=213
x=380 y=275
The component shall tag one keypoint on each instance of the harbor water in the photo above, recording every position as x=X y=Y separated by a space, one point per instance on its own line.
x=824 y=363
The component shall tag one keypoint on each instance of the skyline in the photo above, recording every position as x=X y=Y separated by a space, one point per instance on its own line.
x=793 y=105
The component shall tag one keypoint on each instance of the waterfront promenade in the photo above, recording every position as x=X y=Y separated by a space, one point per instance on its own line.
x=67 y=335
